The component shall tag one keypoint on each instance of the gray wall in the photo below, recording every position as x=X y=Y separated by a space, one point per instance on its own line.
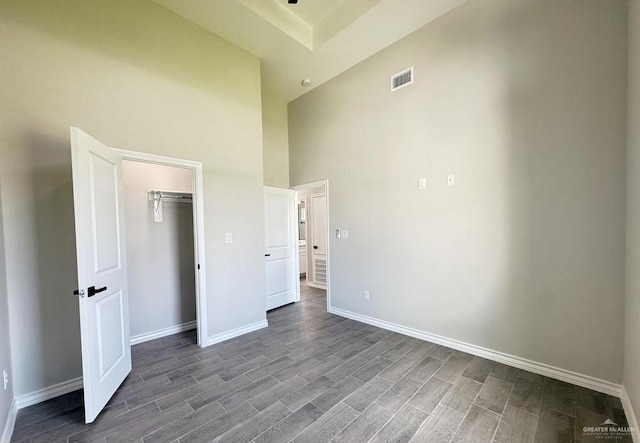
x=135 y=76
x=525 y=101
x=275 y=141
x=6 y=397
x=632 y=307
x=160 y=260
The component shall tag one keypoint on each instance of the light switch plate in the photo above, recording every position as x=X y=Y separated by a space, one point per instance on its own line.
x=345 y=233
x=228 y=237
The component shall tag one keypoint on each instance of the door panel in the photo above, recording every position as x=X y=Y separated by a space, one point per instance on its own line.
x=104 y=206
x=278 y=223
x=281 y=281
x=111 y=348
x=279 y=277
x=101 y=259
x=319 y=224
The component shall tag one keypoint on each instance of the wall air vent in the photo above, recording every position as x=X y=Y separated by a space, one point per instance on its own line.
x=402 y=79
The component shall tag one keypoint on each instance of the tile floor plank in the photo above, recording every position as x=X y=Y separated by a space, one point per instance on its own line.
x=219 y=425
x=368 y=393
x=245 y=432
x=170 y=432
x=363 y=428
x=516 y=426
x=336 y=393
x=430 y=395
x=399 y=394
x=440 y=426
x=555 y=427
x=526 y=395
x=478 y=426
x=494 y=395
x=329 y=425
x=290 y=427
x=402 y=427
x=462 y=395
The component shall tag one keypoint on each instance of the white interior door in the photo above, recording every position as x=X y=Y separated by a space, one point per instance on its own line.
x=319 y=239
x=102 y=270
x=281 y=238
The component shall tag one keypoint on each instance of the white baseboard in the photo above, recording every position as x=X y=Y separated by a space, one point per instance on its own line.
x=575 y=378
x=10 y=423
x=163 y=332
x=236 y=332
x=631 y=416
x=35 y=397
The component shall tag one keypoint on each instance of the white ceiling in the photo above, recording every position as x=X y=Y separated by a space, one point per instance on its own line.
x=315 y=39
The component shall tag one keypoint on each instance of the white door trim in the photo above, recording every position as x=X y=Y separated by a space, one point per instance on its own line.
x=326 y=191
x=198 y=228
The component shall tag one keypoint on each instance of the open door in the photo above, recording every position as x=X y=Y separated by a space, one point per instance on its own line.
x=102 y=270
x=281 y=240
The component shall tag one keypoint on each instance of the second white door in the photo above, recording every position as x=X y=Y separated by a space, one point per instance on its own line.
x=281 y=274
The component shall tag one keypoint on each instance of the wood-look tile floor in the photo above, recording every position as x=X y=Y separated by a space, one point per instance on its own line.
x=315 y=377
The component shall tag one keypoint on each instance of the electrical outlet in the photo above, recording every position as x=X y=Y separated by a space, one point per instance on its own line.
x=5 y=378
x=229 y=237
x=451 y=179
x=366 y=296
x=344 y=234
x=422 y=183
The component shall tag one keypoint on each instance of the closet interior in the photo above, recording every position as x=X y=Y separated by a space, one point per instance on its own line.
x=160 y=249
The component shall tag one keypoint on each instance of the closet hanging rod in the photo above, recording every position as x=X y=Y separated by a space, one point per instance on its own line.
x=169 y=195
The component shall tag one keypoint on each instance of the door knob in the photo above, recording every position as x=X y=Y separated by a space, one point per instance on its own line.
x=91 y=291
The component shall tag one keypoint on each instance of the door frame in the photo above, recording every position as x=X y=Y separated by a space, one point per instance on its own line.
x=198 y=228
x=316 y=184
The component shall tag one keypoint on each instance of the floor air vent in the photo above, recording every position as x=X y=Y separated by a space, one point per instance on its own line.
x=402 y=79
x=320 y=271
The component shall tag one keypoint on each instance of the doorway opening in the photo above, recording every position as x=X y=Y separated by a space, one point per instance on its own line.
x=165 y=246
x=313 y=237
